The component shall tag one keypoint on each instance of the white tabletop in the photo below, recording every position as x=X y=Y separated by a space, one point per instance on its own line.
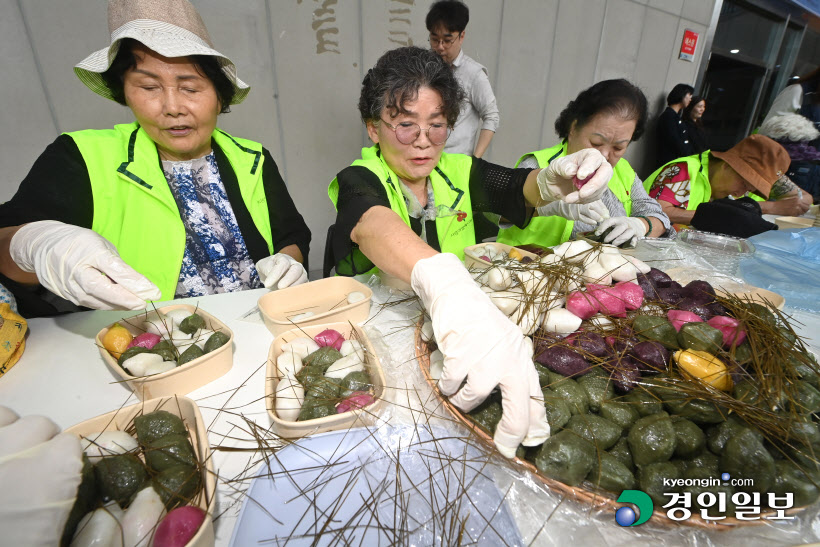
x=61 y=375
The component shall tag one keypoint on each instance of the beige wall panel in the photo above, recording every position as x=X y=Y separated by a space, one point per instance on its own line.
x=620 y=39
x=484 y=34
x=316 y=49
x=670 y=6
x=388 y=24
x=25 y=115
x=241 y=31
x=655 y=55
x=522 y=81
x=63 y=34
x=578 y=25
x=699 y=11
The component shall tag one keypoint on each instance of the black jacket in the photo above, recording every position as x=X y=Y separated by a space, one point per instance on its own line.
x=673 y=138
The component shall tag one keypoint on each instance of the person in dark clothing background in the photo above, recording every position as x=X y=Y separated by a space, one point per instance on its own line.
x=673 y=140
x=693 y=119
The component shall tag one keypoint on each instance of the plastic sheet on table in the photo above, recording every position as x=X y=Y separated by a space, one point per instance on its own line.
x=787 y=262
x=393 y=485
x=668 y=254
x=391 y=329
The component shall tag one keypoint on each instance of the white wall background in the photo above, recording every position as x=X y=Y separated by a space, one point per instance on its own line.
x=305 y=59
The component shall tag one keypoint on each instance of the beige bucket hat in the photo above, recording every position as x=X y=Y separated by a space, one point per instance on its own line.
x=172 y=28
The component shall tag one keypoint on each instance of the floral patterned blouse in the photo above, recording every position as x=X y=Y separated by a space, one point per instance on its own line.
x=216 y=259
x=673 y=185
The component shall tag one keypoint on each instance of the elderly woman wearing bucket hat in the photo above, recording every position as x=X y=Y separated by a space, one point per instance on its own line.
x=168 y=206
x=756 y=166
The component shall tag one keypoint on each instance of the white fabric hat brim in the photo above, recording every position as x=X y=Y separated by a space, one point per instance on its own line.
x=167 y=40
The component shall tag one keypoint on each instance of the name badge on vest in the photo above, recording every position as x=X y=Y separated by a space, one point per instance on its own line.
x=444 y=211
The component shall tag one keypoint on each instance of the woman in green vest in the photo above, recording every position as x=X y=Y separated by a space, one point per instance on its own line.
x=756 y=166
x=607 y=116
x=407 y=208
x=168 y=206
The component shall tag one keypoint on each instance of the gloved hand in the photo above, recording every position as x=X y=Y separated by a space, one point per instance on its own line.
x=555 y=180
x=623 y=229
x=280 y=271
x=480 y=344
x=588 y=213
x=40 y=471
x=81 y=266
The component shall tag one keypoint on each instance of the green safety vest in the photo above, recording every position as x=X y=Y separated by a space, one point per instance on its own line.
x=554 y=230
x=134 y=208
x=450 y=181
x=700 y=189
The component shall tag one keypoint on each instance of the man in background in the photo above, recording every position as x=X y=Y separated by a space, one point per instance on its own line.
x=673 y=140
x=478 y=120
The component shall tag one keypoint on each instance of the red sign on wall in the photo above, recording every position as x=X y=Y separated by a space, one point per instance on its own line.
x=688 y=45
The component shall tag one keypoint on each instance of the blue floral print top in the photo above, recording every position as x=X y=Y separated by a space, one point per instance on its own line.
x=216 y=259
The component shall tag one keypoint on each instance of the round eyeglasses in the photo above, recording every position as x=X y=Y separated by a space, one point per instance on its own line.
x=408 y=132
x=447 y=41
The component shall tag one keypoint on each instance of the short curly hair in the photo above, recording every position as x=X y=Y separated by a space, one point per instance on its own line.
x=619 y=97
x=397 y=78
x=206 y=65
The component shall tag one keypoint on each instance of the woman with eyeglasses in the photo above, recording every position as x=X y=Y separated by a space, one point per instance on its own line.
x=407 y=208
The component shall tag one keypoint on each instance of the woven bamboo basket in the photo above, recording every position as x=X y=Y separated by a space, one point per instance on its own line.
x=587 y=493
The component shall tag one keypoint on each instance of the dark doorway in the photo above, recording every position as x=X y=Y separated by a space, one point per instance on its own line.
x=731 y=87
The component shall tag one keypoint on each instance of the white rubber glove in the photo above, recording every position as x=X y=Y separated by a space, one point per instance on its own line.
x=480 y=344
x=555 y=180
x=81 y=266
x=40 y=471
x=280 y=271
x=588 y=213
x=623 y=229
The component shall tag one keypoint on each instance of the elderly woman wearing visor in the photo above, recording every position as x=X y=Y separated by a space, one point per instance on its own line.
x=168 y=206
x=407 y=208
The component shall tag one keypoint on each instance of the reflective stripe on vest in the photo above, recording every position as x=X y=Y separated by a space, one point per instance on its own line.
x=450 y=181
x=554 y=230
x=133 y=205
